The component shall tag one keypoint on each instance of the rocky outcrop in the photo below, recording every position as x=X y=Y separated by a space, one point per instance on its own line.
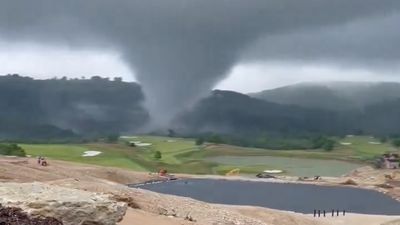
x=70 y=206
x=15 y=216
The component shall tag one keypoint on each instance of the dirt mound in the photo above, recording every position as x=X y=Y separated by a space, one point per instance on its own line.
x=349 y=182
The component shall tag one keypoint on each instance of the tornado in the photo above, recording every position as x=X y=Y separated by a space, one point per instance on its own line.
x=178 y=49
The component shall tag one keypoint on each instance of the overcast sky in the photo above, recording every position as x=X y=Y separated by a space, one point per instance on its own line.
x=43 y=62
x=181 y=49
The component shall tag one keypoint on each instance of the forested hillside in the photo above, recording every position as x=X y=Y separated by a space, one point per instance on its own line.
x=42 y=109
x=233 y=113
x=382 y=118
x=335 y=96
x=76 y=108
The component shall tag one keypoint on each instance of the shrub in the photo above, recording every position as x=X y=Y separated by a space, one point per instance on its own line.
x=199 y=141
x=396 y=142
x=328 y=145
x=216 y=139
x=12 y=149
x=157 y=155
x=323 y=142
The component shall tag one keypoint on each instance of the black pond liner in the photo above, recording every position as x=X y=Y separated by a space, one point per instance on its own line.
x=303 y=198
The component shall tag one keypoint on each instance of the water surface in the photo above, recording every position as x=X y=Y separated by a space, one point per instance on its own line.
x=301 y=198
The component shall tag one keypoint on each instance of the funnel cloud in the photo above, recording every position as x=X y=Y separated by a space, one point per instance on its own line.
x=179 y=49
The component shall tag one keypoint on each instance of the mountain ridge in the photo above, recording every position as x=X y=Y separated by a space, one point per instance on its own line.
x=337 y=96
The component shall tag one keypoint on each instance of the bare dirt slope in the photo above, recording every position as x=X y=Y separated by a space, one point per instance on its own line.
x=27 y=170
x=357 y=219
x=143 y=217
x=386 y=181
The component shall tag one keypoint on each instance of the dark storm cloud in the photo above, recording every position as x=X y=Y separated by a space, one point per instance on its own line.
x=178 y=48
x=369 y=43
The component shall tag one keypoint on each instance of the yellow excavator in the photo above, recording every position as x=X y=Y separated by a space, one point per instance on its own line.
x=234 y=172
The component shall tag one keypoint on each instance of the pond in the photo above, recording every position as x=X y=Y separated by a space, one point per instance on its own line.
x=301 y=198
x=292 y=166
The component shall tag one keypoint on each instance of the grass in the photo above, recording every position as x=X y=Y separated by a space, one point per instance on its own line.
x=169 y=147
x=111 y=156
x=223 y=169
x=291 y=166
x=183 y=156
x=362 y=148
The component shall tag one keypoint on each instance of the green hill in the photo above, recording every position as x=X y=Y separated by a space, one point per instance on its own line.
x=61 y=108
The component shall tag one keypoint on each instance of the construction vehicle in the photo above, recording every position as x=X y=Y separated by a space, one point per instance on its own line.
x=234 y=172
x=163 y=173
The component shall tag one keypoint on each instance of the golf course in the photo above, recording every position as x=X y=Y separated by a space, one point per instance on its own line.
x=182 y=155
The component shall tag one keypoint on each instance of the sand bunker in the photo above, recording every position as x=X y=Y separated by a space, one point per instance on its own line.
x=143 y=144
x=91 y=153
x=345 y=143
x=140 y=144
x=374 y=143
x=273 y=171
x=127 y=137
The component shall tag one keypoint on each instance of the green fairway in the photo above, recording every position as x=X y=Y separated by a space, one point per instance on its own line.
x=181 y=155
x=110 y=156
x=169 y=147
x=291 y=166
x=364 y=148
